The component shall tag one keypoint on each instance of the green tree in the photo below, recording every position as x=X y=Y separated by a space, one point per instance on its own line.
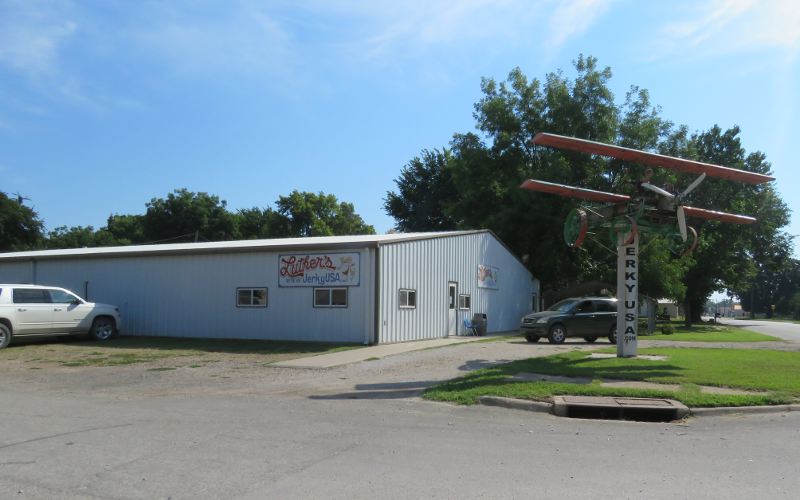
x=127 y=229
x=20 y=226
x=312 y=214
x=80 y=237
x=424 y=188
x=258 y=223
x=487 y=167
x=184 y=215
x=728 y=255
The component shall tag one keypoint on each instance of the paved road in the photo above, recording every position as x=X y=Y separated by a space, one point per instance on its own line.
x=787 y=331
x=359 y=432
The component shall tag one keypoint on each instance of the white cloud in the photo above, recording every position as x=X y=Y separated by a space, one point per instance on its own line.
x=241 y=40
x=384 y=32
x=32 y=34
x=731 y=26
x=572 y=18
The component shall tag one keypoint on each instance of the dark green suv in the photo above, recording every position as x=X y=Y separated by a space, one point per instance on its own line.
x=587 y=317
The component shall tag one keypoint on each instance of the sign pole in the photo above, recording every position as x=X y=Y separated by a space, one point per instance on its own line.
x=627 y=295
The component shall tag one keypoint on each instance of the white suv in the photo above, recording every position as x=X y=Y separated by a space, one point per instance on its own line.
x=33 y=310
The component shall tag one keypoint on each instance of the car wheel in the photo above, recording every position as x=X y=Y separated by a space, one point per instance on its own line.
x=557 y=334
x=612 y=335
x=102 y=328
x=590 y=339
x=532 y=338
x=5 y=336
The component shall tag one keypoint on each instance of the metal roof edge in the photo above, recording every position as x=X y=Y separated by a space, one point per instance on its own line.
x=239 y=246
x=434 y=235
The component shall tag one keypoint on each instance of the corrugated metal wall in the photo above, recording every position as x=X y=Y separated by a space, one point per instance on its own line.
x=194 y=296
x=428 y=265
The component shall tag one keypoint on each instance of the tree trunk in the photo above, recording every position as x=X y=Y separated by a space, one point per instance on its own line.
x=652 y=305
x=687 y=313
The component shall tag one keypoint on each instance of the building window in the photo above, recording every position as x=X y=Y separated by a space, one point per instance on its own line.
x=251 y=297
x=330 y=297
x=464 y=301
x=408 y=299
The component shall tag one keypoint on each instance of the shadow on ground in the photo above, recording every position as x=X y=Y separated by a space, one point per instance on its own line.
x=395 y=390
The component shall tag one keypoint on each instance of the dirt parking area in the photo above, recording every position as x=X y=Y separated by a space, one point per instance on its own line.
x=136 y=368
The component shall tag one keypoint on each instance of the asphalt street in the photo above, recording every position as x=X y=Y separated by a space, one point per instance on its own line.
x=360 y=431
x=789 y=332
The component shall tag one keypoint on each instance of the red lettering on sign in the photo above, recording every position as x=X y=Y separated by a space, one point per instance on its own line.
x=292 y=267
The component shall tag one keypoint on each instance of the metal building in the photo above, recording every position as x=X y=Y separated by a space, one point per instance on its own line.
x=363 y=289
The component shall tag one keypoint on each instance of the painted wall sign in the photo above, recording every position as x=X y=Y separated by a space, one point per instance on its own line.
x=319 y=269
x=487 y=277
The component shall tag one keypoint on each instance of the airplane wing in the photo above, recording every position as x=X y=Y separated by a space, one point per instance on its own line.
x=702 y=213
x=574 y=192
x=652 y=159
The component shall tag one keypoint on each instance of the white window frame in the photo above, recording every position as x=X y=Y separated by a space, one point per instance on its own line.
x=330 y=304
x=403 y=296
x=252 y=289
x=464 y=302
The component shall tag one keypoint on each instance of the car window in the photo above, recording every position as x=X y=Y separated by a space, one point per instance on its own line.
x=603 y=306
x=584 y=307
x=61 y=297
x=563 y=306
x=31 y=296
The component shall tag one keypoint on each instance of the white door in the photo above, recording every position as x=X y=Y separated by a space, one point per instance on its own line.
x=33 y=310
x=68 y=311
x=452 y=308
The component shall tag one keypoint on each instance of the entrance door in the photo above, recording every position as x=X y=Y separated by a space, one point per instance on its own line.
x=452 y=308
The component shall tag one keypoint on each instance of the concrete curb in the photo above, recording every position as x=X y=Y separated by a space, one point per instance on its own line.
x=731 y=410
x=516 y=404
x=541 y=407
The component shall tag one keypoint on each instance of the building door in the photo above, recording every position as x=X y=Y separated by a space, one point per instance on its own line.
x=452 y=308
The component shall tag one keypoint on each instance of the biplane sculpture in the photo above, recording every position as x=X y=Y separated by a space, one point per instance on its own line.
x=652 y=209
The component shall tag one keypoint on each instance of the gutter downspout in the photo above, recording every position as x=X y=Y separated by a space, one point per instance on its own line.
x=377 y=300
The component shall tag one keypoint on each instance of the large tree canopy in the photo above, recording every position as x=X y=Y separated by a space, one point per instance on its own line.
x=309 y=214
x=20 y=226
x=187 y=216
x=476 y=185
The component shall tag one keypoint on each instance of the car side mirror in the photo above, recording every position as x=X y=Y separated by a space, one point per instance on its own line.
x=76 y=302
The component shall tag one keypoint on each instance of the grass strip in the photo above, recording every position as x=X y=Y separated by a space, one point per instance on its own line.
x=712 y=334
x=755 y=370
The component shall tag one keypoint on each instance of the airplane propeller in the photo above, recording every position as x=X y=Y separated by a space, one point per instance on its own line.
x=677 y=199
x=657 y=190
x=682 y=223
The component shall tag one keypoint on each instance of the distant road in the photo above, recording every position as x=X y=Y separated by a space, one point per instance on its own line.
x=787 y=331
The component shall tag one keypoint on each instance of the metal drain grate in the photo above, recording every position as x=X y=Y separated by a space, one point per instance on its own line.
x=639 y=409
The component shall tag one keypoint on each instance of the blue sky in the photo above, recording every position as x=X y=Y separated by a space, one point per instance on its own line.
x=105 y=105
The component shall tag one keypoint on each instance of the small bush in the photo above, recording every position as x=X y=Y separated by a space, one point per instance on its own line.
x=667 y=330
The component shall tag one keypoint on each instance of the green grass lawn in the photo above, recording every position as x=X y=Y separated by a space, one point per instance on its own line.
x=710 y=333
x=131 y=350
x=773 y=372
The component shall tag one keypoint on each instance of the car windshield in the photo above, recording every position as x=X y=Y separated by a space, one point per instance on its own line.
x=563 y=306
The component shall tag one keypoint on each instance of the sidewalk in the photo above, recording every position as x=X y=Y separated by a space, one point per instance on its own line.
x=372 y=352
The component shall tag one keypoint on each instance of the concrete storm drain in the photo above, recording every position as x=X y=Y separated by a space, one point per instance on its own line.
x=619 y=408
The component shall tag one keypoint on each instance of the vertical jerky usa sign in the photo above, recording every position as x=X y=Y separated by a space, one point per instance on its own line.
x=627 y=296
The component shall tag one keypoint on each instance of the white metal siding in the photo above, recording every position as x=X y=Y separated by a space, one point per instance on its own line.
x=17 y=272
x=194 y=296
x=428 y=265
